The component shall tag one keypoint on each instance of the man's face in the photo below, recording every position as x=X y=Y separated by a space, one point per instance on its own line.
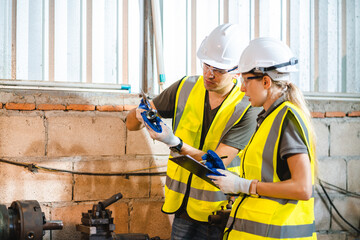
x=216 y=79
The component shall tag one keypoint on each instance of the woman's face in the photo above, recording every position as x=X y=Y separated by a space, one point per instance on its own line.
x=254 y=88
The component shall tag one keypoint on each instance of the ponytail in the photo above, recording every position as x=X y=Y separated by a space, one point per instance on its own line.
x=293 y=94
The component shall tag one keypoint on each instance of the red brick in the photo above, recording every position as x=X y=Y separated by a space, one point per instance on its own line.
x=46 y=107
x=354 y=114
x=80 y=107
x=110 y=108
x=334 y=114
x=20 y=106
x=129 y=107
x=317 y=115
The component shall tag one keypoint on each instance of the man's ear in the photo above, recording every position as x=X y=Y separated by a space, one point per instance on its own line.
x=266 y=82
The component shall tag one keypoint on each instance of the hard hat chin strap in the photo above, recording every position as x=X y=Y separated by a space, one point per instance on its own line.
x=292 y=61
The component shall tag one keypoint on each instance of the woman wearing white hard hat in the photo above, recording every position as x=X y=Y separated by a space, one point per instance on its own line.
x=276 y=183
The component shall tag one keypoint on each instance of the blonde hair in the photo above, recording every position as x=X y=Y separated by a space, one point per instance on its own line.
x=294 y=95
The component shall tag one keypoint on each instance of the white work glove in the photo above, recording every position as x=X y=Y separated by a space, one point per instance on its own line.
x=231 y=183
x=166 y=136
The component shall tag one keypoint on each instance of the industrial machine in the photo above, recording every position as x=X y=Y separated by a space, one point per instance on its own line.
x=23 y=220
x=97 y=224
x=219 y=218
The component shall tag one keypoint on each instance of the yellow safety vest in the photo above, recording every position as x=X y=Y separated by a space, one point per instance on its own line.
x=265 y=217
x=203 y=198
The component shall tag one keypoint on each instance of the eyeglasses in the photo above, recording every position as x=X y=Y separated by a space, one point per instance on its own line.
x=245 y=81
x=214 y=70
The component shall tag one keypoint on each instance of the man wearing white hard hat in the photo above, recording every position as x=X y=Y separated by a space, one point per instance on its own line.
x=277 y=171
x=209 y=112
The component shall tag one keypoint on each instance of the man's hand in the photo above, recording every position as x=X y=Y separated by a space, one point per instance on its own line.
x=213 y=160
x=141 y=108
x=230 y=182
x=166 y=135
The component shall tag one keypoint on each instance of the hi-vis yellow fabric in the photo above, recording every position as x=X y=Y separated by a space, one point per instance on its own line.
x=272 y=218
x=188 y=119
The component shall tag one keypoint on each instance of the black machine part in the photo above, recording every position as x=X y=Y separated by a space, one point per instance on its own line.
x=135 y=236
x=23 y=220
x=97 y=224
x=219 y=218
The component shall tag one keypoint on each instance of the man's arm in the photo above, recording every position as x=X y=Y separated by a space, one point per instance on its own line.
x=221 y=150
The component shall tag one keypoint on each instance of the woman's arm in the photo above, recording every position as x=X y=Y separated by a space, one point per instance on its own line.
x=298 y=187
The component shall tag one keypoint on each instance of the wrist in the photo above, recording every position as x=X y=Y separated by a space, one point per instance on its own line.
x=253 y=188
x=174 y=141
x=176 y=147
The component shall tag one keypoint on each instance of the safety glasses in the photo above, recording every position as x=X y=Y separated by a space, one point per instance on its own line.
x=214 y=70
x=245 y=81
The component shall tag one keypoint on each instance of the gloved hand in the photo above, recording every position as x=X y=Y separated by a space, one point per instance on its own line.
x=166 y=135
x=213 y=160
x=141 y=108
x=230 y=182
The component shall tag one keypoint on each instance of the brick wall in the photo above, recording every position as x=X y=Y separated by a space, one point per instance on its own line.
x=86 y=132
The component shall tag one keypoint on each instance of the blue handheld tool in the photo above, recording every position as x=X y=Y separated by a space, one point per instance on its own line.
x=149 y=116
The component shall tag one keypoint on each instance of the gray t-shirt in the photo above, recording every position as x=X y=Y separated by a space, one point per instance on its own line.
x=291 y=142
x=237 y=137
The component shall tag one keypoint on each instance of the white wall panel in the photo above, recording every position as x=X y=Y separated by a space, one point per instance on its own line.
x=5 y=39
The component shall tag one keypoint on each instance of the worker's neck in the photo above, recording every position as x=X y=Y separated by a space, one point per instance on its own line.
x=216 y=97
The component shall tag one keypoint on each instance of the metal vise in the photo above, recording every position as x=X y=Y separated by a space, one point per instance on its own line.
x=23 y=220
x=97 y=224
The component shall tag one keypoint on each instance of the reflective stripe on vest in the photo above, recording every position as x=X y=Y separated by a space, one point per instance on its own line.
x=273 y=231
x=266 y=217
x=188 y=118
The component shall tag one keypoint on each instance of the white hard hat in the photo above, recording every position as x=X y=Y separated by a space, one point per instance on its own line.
x=222 y=48
x=268 y=55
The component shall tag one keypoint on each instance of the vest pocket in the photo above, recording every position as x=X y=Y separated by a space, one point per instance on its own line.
x=255 y=216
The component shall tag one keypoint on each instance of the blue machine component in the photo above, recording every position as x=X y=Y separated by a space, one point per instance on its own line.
x=150 y=115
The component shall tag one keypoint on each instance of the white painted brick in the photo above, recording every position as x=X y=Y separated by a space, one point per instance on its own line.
x=331 y=236
x=349 y=208
x=86 y=134
x=22 y=135
x=333 y=171
x=322 y=137
x=345 y=138
x=353 y=175
x=322 y=214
